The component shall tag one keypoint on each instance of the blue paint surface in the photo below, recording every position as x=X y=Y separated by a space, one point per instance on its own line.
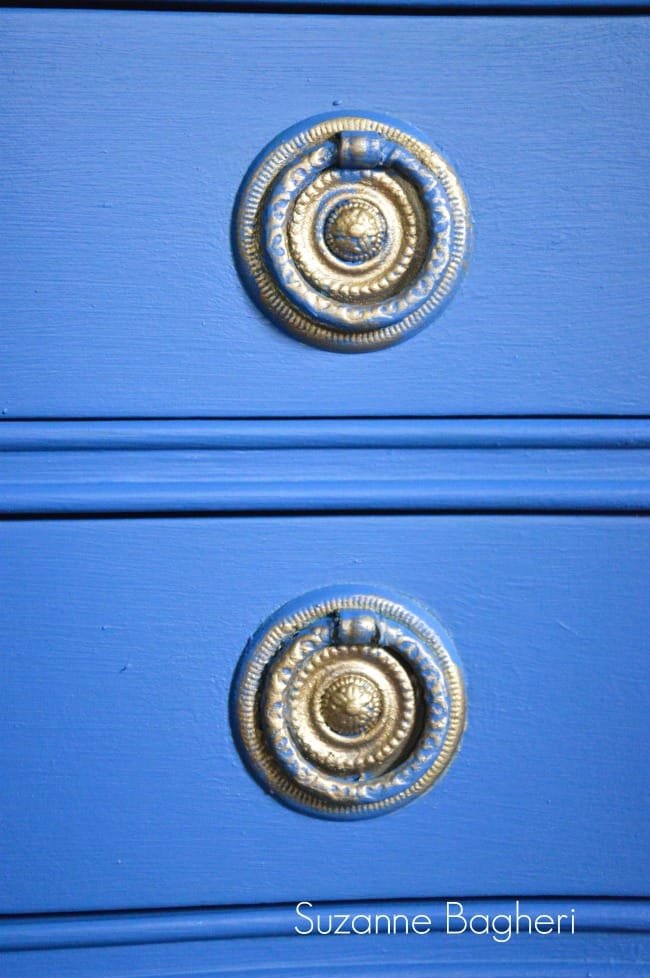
x=335 y=465
x=128 y=135
x=123 y=798
x=120 y=639
x=610 y=939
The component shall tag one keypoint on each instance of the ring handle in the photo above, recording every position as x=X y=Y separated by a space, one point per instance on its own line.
x=352 y=234
x=349 y=703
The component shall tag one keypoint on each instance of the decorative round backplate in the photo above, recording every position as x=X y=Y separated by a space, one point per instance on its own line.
x=351 y=232
x=348 y=703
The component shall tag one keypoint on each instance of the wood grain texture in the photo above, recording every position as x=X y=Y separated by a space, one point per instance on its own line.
x=120 y=638
x=127 y=136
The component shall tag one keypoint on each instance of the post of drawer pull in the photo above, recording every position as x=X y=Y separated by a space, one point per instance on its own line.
x=347 y=703
x=351 y=233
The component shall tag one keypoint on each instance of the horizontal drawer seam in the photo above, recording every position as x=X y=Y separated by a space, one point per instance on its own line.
x=324 y=466
x=170 y=926
x=366 y=7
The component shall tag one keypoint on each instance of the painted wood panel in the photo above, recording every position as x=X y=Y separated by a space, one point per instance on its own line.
x=338 y=465
x=127 y=135
x=120 y=638
x=611 y=939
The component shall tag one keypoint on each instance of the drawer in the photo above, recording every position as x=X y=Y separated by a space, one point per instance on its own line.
x=129 y=133
x=120 y=640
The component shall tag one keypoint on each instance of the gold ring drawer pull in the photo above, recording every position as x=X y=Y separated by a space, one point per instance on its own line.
x=351 y=232
x=348 y=703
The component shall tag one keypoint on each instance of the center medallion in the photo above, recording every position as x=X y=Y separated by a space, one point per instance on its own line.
x=355 y=231
x=351 y=705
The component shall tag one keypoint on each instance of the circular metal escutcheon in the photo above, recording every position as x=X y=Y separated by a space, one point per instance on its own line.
x=348 y=703
x=351 y=232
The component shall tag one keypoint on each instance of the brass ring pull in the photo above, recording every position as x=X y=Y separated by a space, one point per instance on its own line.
x=352 y=233
x=348 y=704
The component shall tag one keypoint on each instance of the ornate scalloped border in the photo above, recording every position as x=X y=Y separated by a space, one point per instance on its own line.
x=267 y=293
x=249 y=681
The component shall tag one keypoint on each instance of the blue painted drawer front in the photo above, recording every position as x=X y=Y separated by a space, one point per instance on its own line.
x=128 y=133
x=120 y=638
x=610 y=944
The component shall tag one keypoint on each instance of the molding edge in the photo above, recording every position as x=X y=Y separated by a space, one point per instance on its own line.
x=59 y=931
x=416 y=465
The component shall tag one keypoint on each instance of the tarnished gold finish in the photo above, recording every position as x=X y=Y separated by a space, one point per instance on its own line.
x=337 y=263
x=349 y=706
x=355 y=231
x=352 y=233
